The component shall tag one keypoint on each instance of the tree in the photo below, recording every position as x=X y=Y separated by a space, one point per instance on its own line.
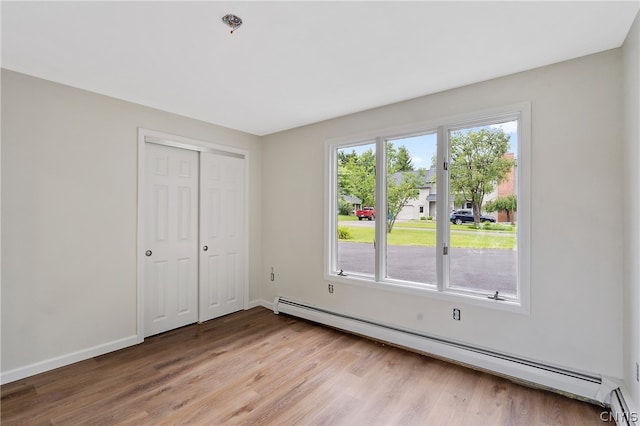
x=402 y=182
x=478 y=164
x=401 y=187
x=403 y=160
x=506 y=204
x=344 y=157
x=357 y=177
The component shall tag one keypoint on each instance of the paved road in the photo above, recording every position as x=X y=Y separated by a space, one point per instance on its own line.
x=490 y=269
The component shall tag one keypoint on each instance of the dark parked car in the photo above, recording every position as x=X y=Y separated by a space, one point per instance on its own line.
x=461 y=216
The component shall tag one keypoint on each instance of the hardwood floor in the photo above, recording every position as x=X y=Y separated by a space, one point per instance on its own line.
x=254 y=367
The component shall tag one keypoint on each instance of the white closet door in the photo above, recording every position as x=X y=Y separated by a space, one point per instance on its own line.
x=222 y=235
x=171 y=238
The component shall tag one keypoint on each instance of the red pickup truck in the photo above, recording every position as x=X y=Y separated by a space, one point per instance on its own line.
x=366 y=213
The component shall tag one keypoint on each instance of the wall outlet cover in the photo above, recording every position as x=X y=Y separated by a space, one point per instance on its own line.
x=456 y=314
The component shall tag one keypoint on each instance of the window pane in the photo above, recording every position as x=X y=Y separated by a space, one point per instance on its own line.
x=411 y=204
x=483 y=199
x=356 y=209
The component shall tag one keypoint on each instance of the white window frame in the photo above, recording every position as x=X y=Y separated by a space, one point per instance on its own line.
x=442 y=291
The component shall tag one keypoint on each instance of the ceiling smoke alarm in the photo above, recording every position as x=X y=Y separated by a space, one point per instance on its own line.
x=232 y=21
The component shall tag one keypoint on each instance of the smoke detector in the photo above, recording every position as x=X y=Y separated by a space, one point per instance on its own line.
x=232 y=21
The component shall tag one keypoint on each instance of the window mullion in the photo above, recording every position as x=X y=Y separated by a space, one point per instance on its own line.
x=381 y=209
x=442 y=203
x=331 y=223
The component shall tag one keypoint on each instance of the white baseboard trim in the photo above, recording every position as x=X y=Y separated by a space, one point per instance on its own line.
x=266 y=304
x=63 y=360
x=253 y=304
x=260 y=302
x=586 y=386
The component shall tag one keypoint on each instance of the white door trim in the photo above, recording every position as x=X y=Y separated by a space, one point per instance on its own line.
x=152 y=136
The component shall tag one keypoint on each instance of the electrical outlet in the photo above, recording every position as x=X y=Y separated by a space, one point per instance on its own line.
x=456 y=314
x=330 y=288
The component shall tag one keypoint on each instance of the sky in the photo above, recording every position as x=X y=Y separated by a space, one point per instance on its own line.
x=423 y=147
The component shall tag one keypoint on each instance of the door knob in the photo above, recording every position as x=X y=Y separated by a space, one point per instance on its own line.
x=148 y=253
x=205 y=248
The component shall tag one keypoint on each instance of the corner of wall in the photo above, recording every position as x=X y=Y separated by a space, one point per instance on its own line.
x=631 y=183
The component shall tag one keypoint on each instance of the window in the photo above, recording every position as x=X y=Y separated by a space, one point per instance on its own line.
x=410 y=243
x=356 y=198
x=482 y=248
x=443 y=209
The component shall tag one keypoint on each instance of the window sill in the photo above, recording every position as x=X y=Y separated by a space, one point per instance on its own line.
x=431 y=292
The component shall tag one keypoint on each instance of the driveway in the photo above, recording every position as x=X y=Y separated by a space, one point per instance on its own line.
x=488 y=269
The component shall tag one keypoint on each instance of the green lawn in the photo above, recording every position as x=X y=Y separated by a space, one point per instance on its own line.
x=427 y=237
x=427 y=224
x=422 y=224
x=483 y=240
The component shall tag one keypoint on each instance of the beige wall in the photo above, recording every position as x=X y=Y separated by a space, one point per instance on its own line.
x=576 y=278
x=69 y=194
x=69 y=168
x=631 y=207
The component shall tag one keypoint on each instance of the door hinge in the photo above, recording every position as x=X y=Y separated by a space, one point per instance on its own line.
x=445 y=250
x=446 y=165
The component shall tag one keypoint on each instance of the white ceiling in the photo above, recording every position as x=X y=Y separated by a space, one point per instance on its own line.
x=295 y=63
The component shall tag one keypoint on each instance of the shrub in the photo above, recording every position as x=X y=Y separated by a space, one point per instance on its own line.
x=344 y=233
x=430 y=218
x=500 y=227
x=488 y=226
x=422 y=217
x=344 y=207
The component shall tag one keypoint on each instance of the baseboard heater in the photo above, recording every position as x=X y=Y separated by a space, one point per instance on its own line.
x=591 y=388
x=620 y=411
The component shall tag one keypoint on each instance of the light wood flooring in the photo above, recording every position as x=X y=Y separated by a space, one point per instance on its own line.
x=255 y=367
